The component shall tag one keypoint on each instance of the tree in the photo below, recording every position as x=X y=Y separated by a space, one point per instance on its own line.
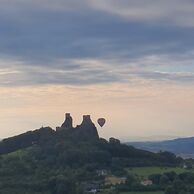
x=164 y=180
x=171 y=175
x=170 y=190
x=183 y=192
x=155 y=178
x=179 y=185
x=130 y=180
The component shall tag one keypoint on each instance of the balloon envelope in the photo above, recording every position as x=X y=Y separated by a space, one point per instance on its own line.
x=101 y=121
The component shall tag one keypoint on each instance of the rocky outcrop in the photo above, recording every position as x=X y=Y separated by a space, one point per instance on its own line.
x=86 y=131
x=68 y=123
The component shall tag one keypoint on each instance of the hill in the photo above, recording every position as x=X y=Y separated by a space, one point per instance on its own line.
x=61 y=161
x=180 y=146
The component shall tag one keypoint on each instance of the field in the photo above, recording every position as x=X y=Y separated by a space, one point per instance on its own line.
x=18 y=153
x=158 y=192
x=144 y=172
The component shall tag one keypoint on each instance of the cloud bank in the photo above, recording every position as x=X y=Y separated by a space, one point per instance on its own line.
x=94 y=42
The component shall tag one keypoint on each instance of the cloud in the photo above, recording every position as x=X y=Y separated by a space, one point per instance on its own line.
x=49 y=5
x=45 y=37
x=94 y=42
x=82 y=72
x=175 y=12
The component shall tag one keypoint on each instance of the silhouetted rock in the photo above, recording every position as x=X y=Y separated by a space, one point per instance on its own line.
x=68 y=123
x=87 y=130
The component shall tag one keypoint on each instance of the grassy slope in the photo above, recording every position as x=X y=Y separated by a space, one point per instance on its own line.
x=158 y=192
x=144 y=172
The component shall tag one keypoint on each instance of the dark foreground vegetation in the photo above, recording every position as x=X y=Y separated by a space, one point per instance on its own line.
x=76 y=161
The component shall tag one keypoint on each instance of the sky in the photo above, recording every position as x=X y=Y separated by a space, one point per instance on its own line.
x=130 y=61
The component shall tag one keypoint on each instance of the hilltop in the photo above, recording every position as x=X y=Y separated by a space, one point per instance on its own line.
x=49 y=161
x=86 y=131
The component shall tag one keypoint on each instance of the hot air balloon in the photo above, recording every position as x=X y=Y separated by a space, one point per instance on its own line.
x=101 y=121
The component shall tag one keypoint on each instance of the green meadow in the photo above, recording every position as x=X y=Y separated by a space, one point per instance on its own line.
x=144 y=172
x=158 y=192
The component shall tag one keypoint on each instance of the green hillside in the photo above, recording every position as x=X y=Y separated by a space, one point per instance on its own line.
x=67 y=161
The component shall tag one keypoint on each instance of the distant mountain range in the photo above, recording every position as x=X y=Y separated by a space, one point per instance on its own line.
x=181 y=146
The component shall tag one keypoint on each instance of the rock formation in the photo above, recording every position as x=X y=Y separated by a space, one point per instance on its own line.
x=68 y=123
x=85 y=131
